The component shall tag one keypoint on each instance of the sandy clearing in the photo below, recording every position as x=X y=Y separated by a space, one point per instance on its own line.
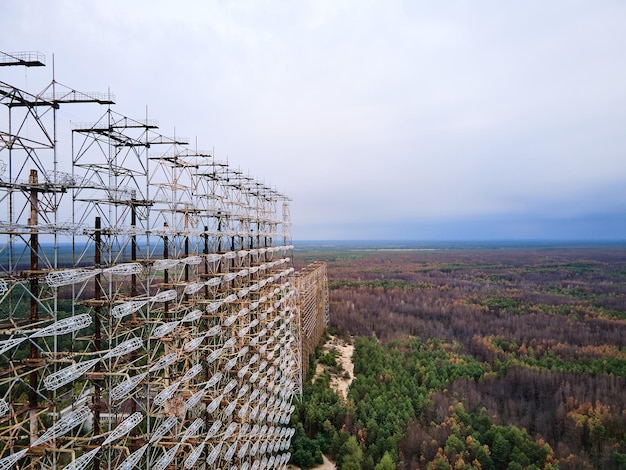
x=338 y=382
x=327 y=465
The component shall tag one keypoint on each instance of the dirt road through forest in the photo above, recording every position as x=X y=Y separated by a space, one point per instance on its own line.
x=339 y=382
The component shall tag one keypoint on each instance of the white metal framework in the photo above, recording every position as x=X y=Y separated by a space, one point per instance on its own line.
x=312 y=308
x=148 y=313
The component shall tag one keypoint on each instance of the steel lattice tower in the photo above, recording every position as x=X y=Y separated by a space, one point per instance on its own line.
x=312 y=306
x=148 y=312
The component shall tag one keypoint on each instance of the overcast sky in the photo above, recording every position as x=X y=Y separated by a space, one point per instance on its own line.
x=379 y=119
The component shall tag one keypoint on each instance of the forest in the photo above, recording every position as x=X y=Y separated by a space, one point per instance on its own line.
x=475 y=358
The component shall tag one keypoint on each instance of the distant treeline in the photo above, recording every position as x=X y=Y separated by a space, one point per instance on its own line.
x=68 y=254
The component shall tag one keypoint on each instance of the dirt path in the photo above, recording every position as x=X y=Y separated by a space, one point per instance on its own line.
x=327 y=465
x=340 y=382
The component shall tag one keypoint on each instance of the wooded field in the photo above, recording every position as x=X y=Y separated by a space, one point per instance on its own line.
x=477 y=358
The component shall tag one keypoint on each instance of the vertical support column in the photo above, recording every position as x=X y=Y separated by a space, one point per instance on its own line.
x=186 y=245
x=205 y=251
x=133 y=245
x=133 y=277
x=33 y=222
x=97 y=329
x=219 y=231
x=286 y=223
x=166 y=276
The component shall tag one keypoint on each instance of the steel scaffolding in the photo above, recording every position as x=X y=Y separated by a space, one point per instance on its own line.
x=148 y=312
x=312 y=305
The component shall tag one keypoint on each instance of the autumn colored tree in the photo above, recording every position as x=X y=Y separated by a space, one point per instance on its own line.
x=531 y=342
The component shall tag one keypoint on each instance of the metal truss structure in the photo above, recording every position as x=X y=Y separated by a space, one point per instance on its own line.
x=148 y=313
x=312 y=306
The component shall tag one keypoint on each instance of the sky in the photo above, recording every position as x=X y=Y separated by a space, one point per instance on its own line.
x=386 y=119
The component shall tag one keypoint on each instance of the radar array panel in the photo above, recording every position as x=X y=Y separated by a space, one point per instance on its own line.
x=312 y=303
x=148 y=313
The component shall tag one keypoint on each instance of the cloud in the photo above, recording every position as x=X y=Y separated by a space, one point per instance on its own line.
x=369 y=110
